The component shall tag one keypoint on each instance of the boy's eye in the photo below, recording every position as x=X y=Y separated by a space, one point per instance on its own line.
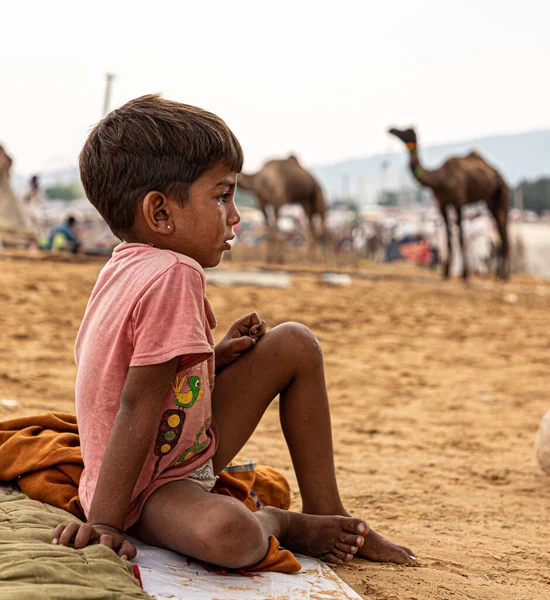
x=224 y=197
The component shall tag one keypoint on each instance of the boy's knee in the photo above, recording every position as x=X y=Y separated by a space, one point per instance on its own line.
x=299 y=338
x=234 y=538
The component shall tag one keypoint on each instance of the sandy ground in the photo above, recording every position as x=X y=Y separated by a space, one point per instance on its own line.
x=437 y=390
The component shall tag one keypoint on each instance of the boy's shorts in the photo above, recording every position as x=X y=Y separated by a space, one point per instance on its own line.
x=204 y=476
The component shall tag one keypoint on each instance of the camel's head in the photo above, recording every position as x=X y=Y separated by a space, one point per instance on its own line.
x=407 y=136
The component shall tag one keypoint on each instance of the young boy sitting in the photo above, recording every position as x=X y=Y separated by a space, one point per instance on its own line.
x=155 y=430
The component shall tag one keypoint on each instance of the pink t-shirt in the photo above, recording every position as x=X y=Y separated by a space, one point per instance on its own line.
x=148 y=306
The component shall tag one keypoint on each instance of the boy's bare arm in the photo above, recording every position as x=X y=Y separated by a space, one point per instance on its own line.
x=129 y=442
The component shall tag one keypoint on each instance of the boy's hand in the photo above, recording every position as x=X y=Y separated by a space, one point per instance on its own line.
x=242 y=336
x=84 y=534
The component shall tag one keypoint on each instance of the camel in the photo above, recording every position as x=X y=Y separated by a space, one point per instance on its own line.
x=285 y=181
x=460 y=181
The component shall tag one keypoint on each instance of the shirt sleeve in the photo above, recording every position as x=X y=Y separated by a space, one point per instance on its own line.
x=169 y=320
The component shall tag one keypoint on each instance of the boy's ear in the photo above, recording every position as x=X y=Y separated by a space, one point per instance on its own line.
x=157 y=213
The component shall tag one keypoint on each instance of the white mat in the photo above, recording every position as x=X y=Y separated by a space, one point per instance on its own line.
x=166 y=575
x=229 y=277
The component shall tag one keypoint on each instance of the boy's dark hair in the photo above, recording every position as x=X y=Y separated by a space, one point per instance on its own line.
x=151 y=144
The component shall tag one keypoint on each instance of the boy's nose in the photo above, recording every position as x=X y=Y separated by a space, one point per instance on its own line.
x=234 y=216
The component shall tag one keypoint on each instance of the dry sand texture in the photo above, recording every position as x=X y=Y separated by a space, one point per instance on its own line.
x=436 y=390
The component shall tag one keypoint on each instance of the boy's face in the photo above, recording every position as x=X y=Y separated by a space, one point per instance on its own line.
x=203 y=226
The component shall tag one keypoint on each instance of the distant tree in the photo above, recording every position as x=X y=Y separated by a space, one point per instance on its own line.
x=68 y=191
x=536 y=195
x=386 y=198
x=345 y=204
x=245 y=199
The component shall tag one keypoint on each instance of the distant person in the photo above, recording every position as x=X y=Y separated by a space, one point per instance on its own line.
x=64 y=237
x=161 y=410
x=435 y=260
x=34 y=203
x=424 y=252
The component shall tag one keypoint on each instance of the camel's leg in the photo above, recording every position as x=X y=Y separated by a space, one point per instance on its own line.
x=501 y=218
x=262 y=207
x=328 y=250
x=328 y=242
x=312 y=241
x=272 y=232
x=279 y=242
x=447 y=263
x=462 y=242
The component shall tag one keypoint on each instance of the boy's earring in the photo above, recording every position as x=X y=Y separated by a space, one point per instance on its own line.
x=168 y=226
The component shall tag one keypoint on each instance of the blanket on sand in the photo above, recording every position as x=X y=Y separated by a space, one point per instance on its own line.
x=32 y=567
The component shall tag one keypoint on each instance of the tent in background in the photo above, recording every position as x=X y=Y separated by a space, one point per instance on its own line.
x=13 y=226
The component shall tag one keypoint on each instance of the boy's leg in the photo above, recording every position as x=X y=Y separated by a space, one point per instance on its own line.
x=218 y=529
x=183 y=517
x=288 y=361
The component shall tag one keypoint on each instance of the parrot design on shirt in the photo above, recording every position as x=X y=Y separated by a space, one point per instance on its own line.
x=172 y=420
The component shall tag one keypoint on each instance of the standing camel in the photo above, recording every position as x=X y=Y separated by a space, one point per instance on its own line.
x=285 y=181
x=460 y=181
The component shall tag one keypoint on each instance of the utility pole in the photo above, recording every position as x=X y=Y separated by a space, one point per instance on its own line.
x=345 y=187
x=360 y=189
x=518 y=197
x=108 y=88
x=384 y=166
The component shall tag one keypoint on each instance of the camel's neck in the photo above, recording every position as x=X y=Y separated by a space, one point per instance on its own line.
x=420 y=174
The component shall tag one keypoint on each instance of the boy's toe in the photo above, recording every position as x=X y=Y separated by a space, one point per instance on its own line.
x=343 y=556
x=351 y=540
x=354 y=526
x=403 y=558
x=332 y=559
x=346 y=548
x=408 y=551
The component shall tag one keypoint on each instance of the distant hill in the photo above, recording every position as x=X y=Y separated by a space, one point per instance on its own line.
x=519 y=156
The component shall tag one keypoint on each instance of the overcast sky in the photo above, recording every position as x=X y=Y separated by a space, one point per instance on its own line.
x=322 y=79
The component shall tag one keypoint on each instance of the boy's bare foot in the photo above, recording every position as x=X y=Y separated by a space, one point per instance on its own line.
x=379 y=549
x=334 y=539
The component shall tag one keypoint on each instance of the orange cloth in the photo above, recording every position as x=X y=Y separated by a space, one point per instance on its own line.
x=271 y=487
x=276 y=559
x=43 y=452
x=255 y=487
